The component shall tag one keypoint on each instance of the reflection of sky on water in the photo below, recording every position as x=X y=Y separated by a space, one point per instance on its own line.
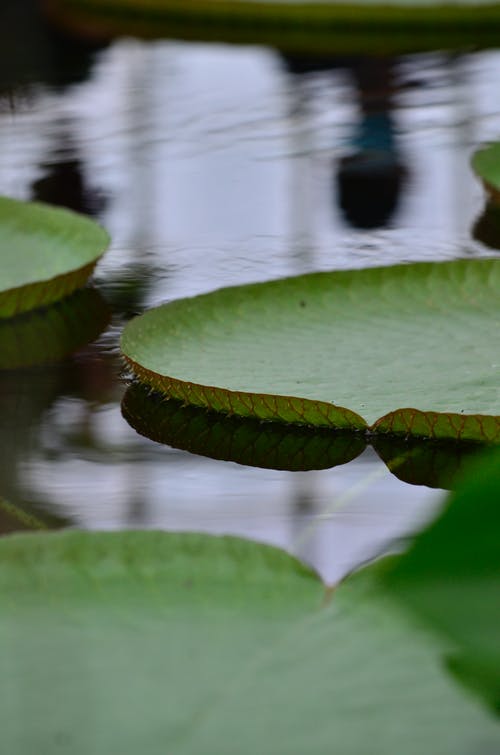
x=218 y=167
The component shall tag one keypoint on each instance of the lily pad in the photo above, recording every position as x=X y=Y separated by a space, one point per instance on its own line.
x=321 y=26
x=410 y=349
x=451 y=577
x=52 y=333
x=156 y=642
x=47 y=253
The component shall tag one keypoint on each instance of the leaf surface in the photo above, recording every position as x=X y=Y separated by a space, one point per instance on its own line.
x=406 y=350
x=46 y=253
x=152 y=642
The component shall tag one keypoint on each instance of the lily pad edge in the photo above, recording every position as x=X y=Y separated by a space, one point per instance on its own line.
x=307 y=412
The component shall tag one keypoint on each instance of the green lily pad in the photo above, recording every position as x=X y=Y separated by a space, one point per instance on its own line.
x=318 y=27
x=46 y=252
x=52 y=333
x=451 y=577
x=410 y=349
x=156 y=642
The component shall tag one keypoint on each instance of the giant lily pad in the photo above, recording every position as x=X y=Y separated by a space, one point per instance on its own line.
x=319 y=26
x=408 y=350
x=46 y=254
x=155 y=642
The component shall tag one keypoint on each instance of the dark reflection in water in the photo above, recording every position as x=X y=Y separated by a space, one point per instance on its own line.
x=251 y=442
x=370 y=178
x=28 y=399
x=63 y=184
x=437 y=464
x=33 y=51
x=25 y=395
x=487 y=227
x=128 y=290
x=52 y=333
x=35 y=371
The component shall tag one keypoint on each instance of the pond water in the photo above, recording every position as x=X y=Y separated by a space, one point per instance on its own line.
x=212 y=165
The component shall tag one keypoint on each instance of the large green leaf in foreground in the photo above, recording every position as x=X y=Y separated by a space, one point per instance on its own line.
x=451 y=576
x=409 y=350
x=168 y=643
x=46 y=253
x=315 y=26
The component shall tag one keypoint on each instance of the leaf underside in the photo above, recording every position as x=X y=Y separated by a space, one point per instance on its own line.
x=47 y=253
x=156 y=642
x=315 y=27
x=412 y=350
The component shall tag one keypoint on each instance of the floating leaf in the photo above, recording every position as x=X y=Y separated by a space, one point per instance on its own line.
x=412 y=348
x=451 y=576
x=54 y=332
x=47 y=253
x=120 y=642
x=299 y=25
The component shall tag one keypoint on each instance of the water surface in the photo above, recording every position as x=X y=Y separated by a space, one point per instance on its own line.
x=212 y=165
